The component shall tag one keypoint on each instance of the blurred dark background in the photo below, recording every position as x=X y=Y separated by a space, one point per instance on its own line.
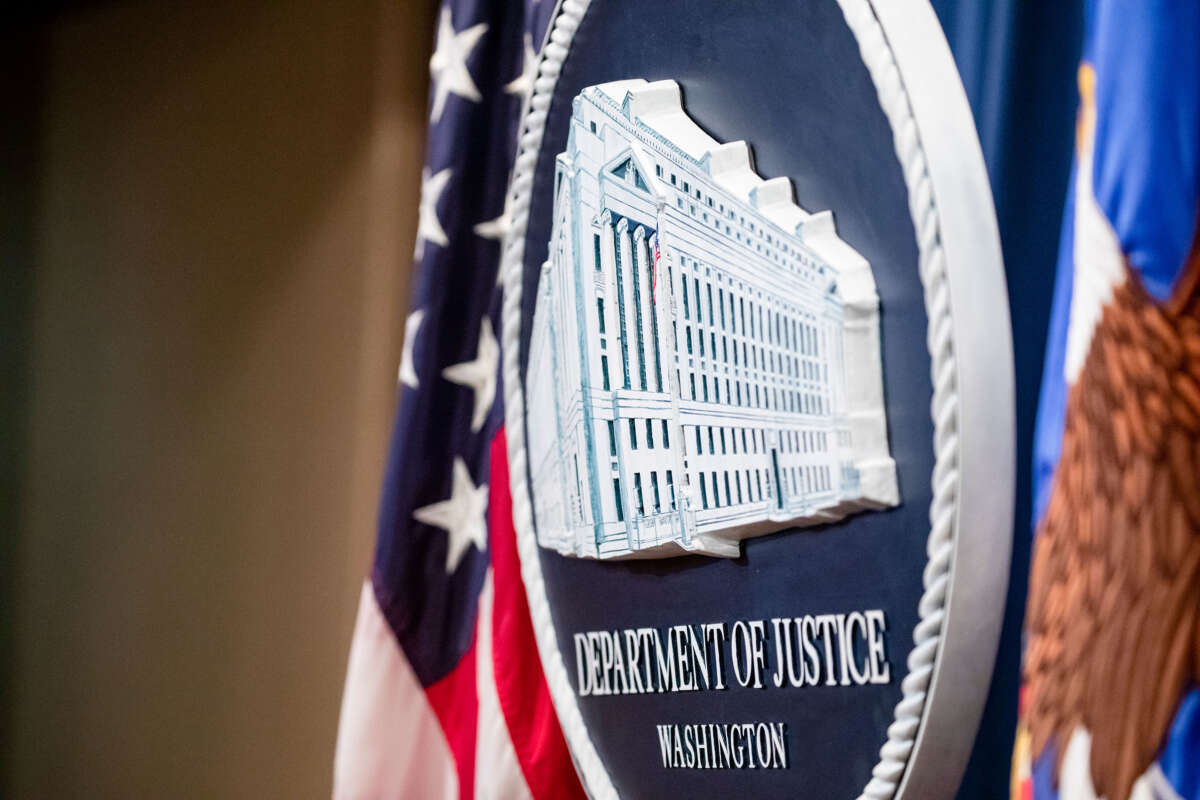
x=206 y=222
x=207 y=233
x=1018 y=62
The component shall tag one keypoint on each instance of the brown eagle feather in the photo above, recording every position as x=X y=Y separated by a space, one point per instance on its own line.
x=1114 y=604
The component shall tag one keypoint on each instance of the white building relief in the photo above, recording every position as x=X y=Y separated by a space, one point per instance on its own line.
x=705 y=361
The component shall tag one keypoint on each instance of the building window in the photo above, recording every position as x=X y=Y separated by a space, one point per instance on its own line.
x=692 y=381
x=728 y=496
x=632 y=435
x=654 y=490
x=722 y=441
x=686 y=188
x=658 y=170
x=738 y=479
x=699 y=446
x=704 y=378
x=666 y=439
x=670 y=490
x=687 y=333
x=617 y=498
x=637 y=321
x=712 y=450
x=716 y=494
x=604 y=372
x=600 y=313
x=612 y=439
x=593 y=125
x=649 y=434
x=703 y=493
x=637 y=492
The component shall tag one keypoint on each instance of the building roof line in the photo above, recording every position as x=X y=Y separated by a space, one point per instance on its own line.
x=658 y=109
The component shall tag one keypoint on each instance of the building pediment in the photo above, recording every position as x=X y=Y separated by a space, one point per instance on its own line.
x=632 y=167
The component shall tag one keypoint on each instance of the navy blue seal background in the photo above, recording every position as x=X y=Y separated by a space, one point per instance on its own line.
x=788 y=79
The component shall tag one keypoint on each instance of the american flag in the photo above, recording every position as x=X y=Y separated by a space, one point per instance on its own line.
x=445 y=696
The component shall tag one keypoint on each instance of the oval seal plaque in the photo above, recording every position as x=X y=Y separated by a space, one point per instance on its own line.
x=759 y=398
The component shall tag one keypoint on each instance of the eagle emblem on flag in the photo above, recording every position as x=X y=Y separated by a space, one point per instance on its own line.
x=1112 y=655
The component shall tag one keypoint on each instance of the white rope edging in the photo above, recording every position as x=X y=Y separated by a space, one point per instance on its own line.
x=565 y=22
x=880 y=63
x=927 y=635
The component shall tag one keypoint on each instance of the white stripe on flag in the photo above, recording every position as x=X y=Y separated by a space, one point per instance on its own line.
x=497 y=773
x=389 y=741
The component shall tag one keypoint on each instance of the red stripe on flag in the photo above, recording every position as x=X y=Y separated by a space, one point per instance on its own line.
x=455 y=701
x=524 y=696
x=654 y=273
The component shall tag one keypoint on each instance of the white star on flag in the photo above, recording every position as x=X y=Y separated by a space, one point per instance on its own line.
x=523 y=84
x=429 y=227
x=461 y=516
x=498 y=227
x=448 y=64
x=479 y=374
x=408 y=372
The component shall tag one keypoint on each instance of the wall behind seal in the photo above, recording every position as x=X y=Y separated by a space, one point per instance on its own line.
x=207 y=243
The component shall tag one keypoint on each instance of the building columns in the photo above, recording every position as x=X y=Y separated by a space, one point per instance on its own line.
x=650 y=342
x=628 y=274
x=615 y=298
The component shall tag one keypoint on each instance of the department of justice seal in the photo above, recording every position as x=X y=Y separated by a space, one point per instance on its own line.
x=759 y=398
